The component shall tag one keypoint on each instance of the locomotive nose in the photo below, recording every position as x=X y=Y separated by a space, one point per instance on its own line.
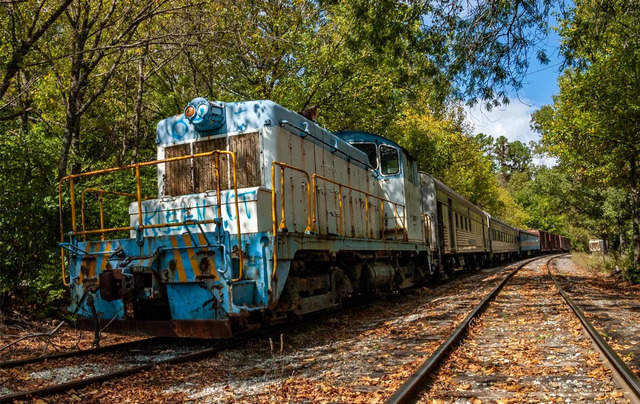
x=205 y=115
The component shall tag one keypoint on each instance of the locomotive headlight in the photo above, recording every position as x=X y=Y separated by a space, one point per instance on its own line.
x=204 y=115
x=203 y=109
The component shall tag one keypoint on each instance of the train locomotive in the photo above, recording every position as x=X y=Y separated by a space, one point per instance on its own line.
x=262 y=216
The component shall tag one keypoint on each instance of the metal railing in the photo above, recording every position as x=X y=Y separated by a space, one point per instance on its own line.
x=284 y=166
x=367 y=196
x=312 y=206
x=101 y=193
x=138 y=196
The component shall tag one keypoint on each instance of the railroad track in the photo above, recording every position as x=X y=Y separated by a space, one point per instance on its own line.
x=137 y=352
x=366 y=352
x=506 y=358
x=444 y=311
x=16 y=394
x=76 y=354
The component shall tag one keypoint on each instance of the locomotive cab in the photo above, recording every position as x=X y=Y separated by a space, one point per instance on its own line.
x=397 y=173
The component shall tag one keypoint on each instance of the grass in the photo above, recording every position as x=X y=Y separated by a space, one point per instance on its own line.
x=607 y=264
x=594 y=262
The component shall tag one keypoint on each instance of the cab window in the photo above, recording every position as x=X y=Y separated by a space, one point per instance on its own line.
x=370 y=150
x=389 y=160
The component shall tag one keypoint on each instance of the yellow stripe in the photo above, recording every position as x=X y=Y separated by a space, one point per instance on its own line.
x=178 y=258
x=203 y=241
x=103 y=266
x=92 y=271
x=191 y=254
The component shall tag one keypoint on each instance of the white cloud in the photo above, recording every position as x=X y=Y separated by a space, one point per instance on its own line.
x=511 y=121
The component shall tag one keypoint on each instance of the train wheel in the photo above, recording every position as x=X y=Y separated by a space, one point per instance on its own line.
x=449 y=267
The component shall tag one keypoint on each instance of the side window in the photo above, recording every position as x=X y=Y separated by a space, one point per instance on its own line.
x=389 y=160
x=413 y=172
x=370 y=150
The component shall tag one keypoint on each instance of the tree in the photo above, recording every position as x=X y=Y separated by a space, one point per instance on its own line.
x=24 y=24
x=84 y=83
x=593 y=123
x=444 y=148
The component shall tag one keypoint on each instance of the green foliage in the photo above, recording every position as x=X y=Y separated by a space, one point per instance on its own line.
x=87 y=92
x=28 y=207
x=592 y=125
x=543 y=198
x=445 y=149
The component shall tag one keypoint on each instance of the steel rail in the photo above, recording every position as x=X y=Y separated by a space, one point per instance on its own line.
x=417 y=380
x=625 y=375
x=80 y=383
x=76 y=384
x=76 y=354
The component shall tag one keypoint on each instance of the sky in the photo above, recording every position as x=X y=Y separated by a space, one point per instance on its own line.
x=513 y=120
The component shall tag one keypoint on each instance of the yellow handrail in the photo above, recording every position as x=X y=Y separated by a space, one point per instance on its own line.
x=100 y=193
x=312 y=206
x=215 y=153
x=283 y=166
x=367 y=196
x=235 y=193
x=283 y=224
x=64 y=279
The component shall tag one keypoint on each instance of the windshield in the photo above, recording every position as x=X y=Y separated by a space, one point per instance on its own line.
x=370 y=150
x=389 y=161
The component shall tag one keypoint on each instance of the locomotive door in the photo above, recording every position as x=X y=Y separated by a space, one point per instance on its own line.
x=452 y=228
x=393 y=187
x=441 y=239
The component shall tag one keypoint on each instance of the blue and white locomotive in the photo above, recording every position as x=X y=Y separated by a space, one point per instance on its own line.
x=261 y=216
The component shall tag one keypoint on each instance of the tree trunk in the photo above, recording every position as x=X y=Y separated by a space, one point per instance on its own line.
x=135 y=144
x=622 y=247
x=635 y=202
x=72 y=123
x=22 y=47
x=24 y=103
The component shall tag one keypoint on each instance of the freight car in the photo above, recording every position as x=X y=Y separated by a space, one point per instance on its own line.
x=546 y=244
x=261 y=216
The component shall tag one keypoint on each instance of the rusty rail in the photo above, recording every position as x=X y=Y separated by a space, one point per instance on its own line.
x=621 y=370
x=406 y=393
x=80 y=383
